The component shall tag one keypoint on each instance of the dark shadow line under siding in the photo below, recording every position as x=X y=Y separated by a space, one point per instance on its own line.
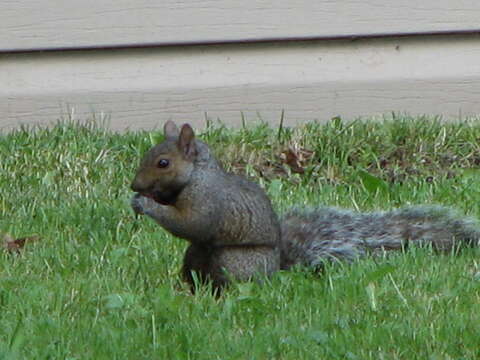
x=239 y=41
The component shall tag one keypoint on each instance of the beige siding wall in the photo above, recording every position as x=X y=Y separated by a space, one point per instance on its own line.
x=59 y=23
x=309 y=80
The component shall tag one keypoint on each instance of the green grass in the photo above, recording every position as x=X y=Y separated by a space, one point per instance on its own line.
x=101 y=284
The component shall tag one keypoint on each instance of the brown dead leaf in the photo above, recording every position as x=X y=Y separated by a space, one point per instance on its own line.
x=12 y=245
x=296 y=158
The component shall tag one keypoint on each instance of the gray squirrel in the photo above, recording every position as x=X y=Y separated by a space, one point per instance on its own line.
x=234 y=233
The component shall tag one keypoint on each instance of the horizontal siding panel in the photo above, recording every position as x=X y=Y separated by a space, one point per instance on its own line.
x=51 y=24
x=309 y=80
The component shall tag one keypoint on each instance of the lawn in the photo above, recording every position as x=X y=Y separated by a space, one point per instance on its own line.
x=101 y=284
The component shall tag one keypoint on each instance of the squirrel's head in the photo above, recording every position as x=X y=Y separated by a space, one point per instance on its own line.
x=166 y=168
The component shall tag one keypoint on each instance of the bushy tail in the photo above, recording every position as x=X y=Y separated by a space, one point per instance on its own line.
x=312 y=237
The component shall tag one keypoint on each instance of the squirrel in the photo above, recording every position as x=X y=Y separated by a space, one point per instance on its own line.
x=234 y=233
x=228 y=220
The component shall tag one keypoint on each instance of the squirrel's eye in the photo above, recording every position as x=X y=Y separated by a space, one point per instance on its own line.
x=163 y=163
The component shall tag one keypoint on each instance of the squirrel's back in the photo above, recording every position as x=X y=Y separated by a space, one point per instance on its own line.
x=243 y=212
x=312 y=237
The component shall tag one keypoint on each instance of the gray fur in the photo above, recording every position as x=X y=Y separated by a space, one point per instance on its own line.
x=311 y=237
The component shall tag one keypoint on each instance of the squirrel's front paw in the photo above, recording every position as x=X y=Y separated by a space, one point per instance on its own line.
x=137 y=205
x=143 y=205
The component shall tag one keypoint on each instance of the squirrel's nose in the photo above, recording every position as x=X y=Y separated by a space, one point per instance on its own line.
x=140 y=184
x=136 y=185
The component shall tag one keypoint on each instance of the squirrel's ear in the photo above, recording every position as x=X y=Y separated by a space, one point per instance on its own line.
x=186 y=141
x=170 y=130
